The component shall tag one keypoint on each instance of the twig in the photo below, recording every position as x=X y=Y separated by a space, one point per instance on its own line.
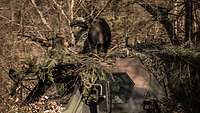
x=110 y=52
x=41 y=36
x=41 y=15
x=65 y=16
x=62 y=11
x=13 y=22
x=86 y=11
x=71 y=9
x=102 y=9
x=79 y=4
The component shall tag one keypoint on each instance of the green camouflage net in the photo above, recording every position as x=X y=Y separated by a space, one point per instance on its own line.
x=56 y=67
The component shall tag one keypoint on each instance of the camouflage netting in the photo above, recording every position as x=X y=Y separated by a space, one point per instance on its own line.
x=61 y=67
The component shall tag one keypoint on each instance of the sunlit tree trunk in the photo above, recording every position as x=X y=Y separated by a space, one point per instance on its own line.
x=71 y=7
x=176 y=13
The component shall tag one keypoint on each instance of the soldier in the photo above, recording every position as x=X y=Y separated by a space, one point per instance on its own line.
x=98 y=35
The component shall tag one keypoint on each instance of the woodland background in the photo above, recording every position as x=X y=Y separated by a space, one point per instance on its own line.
x=140 y=24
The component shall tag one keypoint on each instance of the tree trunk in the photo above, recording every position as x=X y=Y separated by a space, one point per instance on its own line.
x=162 y=13
x=188 y=19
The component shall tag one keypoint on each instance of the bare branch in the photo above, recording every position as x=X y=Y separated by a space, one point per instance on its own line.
x=41 y=15
x=71 y=9
x=62 y=11
x=102 y=9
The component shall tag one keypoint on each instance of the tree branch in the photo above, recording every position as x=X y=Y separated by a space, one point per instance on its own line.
x=161 y=14
x=61 y=10
x=41 y=15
